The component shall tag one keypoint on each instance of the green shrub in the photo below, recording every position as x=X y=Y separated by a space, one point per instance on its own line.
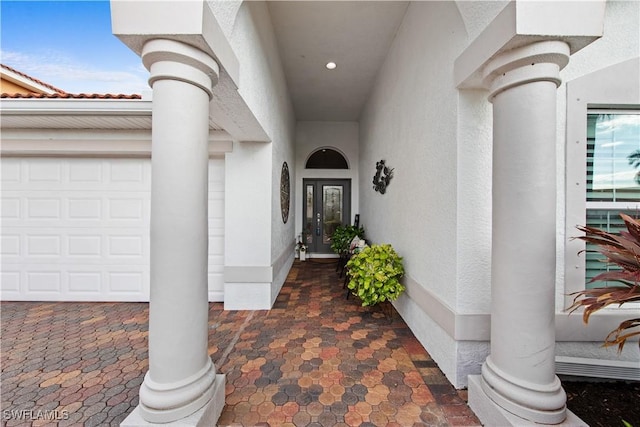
x=374 y=274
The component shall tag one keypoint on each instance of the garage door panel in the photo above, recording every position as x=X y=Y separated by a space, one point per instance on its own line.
x=44 y=245
x=43 y=208
x=216 y=245
x=10 y=208
x=45 y=170
x=84 y=246
x=124 y=282
x=10 y=283
x=84 y=208
x=44 y=282
x=125 y=246
x=86 y=171
x=73 y=209
x=85 y=282
x=10 y=245
x=11 y=172
x=129 y=172
x=76 y=174
x=216 y=277
x=127 y=209
x=78 y=229
x=76 y=245
x=55 y=282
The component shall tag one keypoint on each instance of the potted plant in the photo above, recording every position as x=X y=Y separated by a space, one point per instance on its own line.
x=342 y=237
x=301 y=248
x=374 y=274
x=622 y=250
x=340 y=241
x=302 y=251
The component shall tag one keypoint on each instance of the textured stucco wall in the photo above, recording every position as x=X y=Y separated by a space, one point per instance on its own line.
x=410 y=121
x=341 y=136
x=257 y=235
x=437 y=211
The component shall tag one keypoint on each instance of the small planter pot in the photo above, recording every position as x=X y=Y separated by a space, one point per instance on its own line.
x=303 y=255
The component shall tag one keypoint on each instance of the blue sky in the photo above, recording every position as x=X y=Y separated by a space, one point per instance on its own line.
x=69 y=45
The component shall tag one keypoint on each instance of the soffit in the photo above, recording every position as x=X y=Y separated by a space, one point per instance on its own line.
x=356 y=35
x=114 y=114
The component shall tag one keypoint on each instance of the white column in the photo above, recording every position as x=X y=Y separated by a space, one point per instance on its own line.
x=181 y=376
x=519 y=375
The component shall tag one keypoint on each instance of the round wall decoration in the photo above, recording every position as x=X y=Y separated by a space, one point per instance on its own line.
x=285 y=188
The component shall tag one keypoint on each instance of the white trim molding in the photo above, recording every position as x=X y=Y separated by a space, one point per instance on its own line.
x=477 y=326
x=92 y=143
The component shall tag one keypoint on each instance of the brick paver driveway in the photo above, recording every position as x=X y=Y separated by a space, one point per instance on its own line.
x=315 y=359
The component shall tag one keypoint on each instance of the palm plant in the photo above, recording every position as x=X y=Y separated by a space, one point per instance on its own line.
x=622 y=250
x=634 y=160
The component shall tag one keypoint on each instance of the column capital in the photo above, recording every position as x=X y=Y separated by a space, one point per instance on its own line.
x=540 y=61
x=526 y=22
x=173 y=60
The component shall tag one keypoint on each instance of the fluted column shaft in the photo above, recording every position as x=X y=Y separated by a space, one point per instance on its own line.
x=519 y=374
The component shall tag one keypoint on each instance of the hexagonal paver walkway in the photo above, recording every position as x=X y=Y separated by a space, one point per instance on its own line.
x=315 y=359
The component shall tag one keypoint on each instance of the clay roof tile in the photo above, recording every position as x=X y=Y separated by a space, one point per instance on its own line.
x=26 y=76
x=66 y=95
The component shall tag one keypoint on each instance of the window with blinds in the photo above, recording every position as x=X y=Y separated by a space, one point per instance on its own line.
x=613 y=177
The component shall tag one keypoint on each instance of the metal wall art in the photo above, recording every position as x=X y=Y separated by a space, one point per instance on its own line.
x=382 y=177
x=285 y=197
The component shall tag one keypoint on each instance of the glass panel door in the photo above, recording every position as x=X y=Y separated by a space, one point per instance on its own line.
x=327 y=206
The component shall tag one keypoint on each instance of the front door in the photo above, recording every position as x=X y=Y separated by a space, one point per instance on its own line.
x=327 y=205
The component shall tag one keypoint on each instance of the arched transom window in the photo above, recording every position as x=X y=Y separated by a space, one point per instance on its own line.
x=326 y=158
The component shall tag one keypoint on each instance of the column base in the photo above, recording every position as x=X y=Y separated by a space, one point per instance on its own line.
x=204 y=417
x=490 y=414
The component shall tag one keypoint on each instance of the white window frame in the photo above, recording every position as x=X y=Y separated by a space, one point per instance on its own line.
x=617 y=90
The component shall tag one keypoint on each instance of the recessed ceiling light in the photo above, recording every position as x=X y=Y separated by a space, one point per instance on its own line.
x=331 y=65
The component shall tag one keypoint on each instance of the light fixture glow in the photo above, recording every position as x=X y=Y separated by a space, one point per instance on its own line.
x=331 y=65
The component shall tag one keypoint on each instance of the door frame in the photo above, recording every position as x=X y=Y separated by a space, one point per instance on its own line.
x=323 y=250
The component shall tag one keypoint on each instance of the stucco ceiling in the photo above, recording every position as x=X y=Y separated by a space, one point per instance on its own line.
x=356 y=35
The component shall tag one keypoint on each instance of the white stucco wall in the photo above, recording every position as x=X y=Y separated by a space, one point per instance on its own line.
x=478 y=14
x=410 y=121
x=257 y=235
x=437 y=210
x=225 y=13
x=341 y=136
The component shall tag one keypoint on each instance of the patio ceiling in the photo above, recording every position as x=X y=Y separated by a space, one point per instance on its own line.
x=356 y=35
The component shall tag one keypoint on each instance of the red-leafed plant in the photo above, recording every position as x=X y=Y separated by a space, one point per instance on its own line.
x=622 y=250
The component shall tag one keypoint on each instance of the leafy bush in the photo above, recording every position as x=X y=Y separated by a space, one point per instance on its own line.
x=374 y=274
x=622 y=250
x=343 y=235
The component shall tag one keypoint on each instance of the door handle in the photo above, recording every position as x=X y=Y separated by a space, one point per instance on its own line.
x=318 y=224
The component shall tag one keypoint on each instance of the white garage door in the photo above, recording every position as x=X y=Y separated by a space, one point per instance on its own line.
x=78 y=229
